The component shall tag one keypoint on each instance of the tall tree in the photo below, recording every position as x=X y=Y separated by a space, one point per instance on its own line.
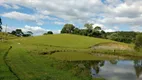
x=0 y=25
x=89 y=28
x=68 y=28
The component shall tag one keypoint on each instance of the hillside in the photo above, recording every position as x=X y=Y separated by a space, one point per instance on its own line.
x=63 y=40
x=41 y=57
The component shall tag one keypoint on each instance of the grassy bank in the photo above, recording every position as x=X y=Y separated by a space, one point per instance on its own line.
x=42 y=57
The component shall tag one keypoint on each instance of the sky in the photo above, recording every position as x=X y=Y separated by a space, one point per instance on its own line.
x=40 y=16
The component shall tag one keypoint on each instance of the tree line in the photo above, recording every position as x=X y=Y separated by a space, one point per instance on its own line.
x=121 y=36
x=88 y=31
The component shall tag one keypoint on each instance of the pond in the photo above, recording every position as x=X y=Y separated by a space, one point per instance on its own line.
x=112 y=70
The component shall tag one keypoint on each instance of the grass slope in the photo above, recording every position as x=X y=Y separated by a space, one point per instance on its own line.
x=64 y=40
x=28 y=63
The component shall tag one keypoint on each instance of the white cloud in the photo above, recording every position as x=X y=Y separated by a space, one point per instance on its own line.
x=106 y=29
x=100 y=25
x=19 y=16
x=10 y=6
x=38 y=18
x=15 y=7
x=136 y=28
x=35 y=29
x=1 y=1
x=59 y=23
x=116 y=28
x=109 y=30
x=7 y=28
x=56 y=31
x=110 y=12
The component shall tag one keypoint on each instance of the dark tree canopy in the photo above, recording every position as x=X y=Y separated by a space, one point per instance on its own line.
x=13 y=32
x=0 y=25
x=68 y=28
x=17 y=32
x=49 y=32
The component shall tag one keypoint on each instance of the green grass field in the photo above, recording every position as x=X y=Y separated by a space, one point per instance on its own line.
x=42 y=57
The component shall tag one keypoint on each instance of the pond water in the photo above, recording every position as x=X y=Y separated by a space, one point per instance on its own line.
x=113 y=70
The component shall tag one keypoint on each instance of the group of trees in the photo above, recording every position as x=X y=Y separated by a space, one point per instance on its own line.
x=49 y=32
x=88 y=31
x=19 y=33
x=121 y=36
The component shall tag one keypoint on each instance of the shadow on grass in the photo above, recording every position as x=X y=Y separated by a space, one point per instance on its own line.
x=5 y=61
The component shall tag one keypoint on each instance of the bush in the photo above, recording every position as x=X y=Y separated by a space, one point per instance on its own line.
x=138 y=42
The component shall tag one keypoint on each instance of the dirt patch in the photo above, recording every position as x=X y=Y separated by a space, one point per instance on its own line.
x=112 y=46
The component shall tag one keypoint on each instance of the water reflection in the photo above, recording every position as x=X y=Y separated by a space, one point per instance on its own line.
x=112 y=70
x=138 y=68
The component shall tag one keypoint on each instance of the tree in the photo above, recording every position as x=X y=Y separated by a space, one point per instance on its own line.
x=113 y=36
x=18 y=32
x=30 y=33
x=49 y=32
x=68 y=28
x=83 y=32
x=98 y=32
x=138 y=42
x=76 y=31
x=103 y=34
x=13 y=32
x=97 y=28
x=88 y=26
x=121 y=36
x=0 y=25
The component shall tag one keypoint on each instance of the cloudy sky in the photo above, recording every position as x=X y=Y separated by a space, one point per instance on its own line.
x=40 y=16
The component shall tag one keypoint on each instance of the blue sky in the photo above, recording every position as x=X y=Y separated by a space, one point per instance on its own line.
x=40 y=16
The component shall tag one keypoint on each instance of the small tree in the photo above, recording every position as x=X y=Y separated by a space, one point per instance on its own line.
x=30 y=33
x=49 y=32
x=13 y=32
x=138 y=42
x=68 y=28
x=0 y=25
